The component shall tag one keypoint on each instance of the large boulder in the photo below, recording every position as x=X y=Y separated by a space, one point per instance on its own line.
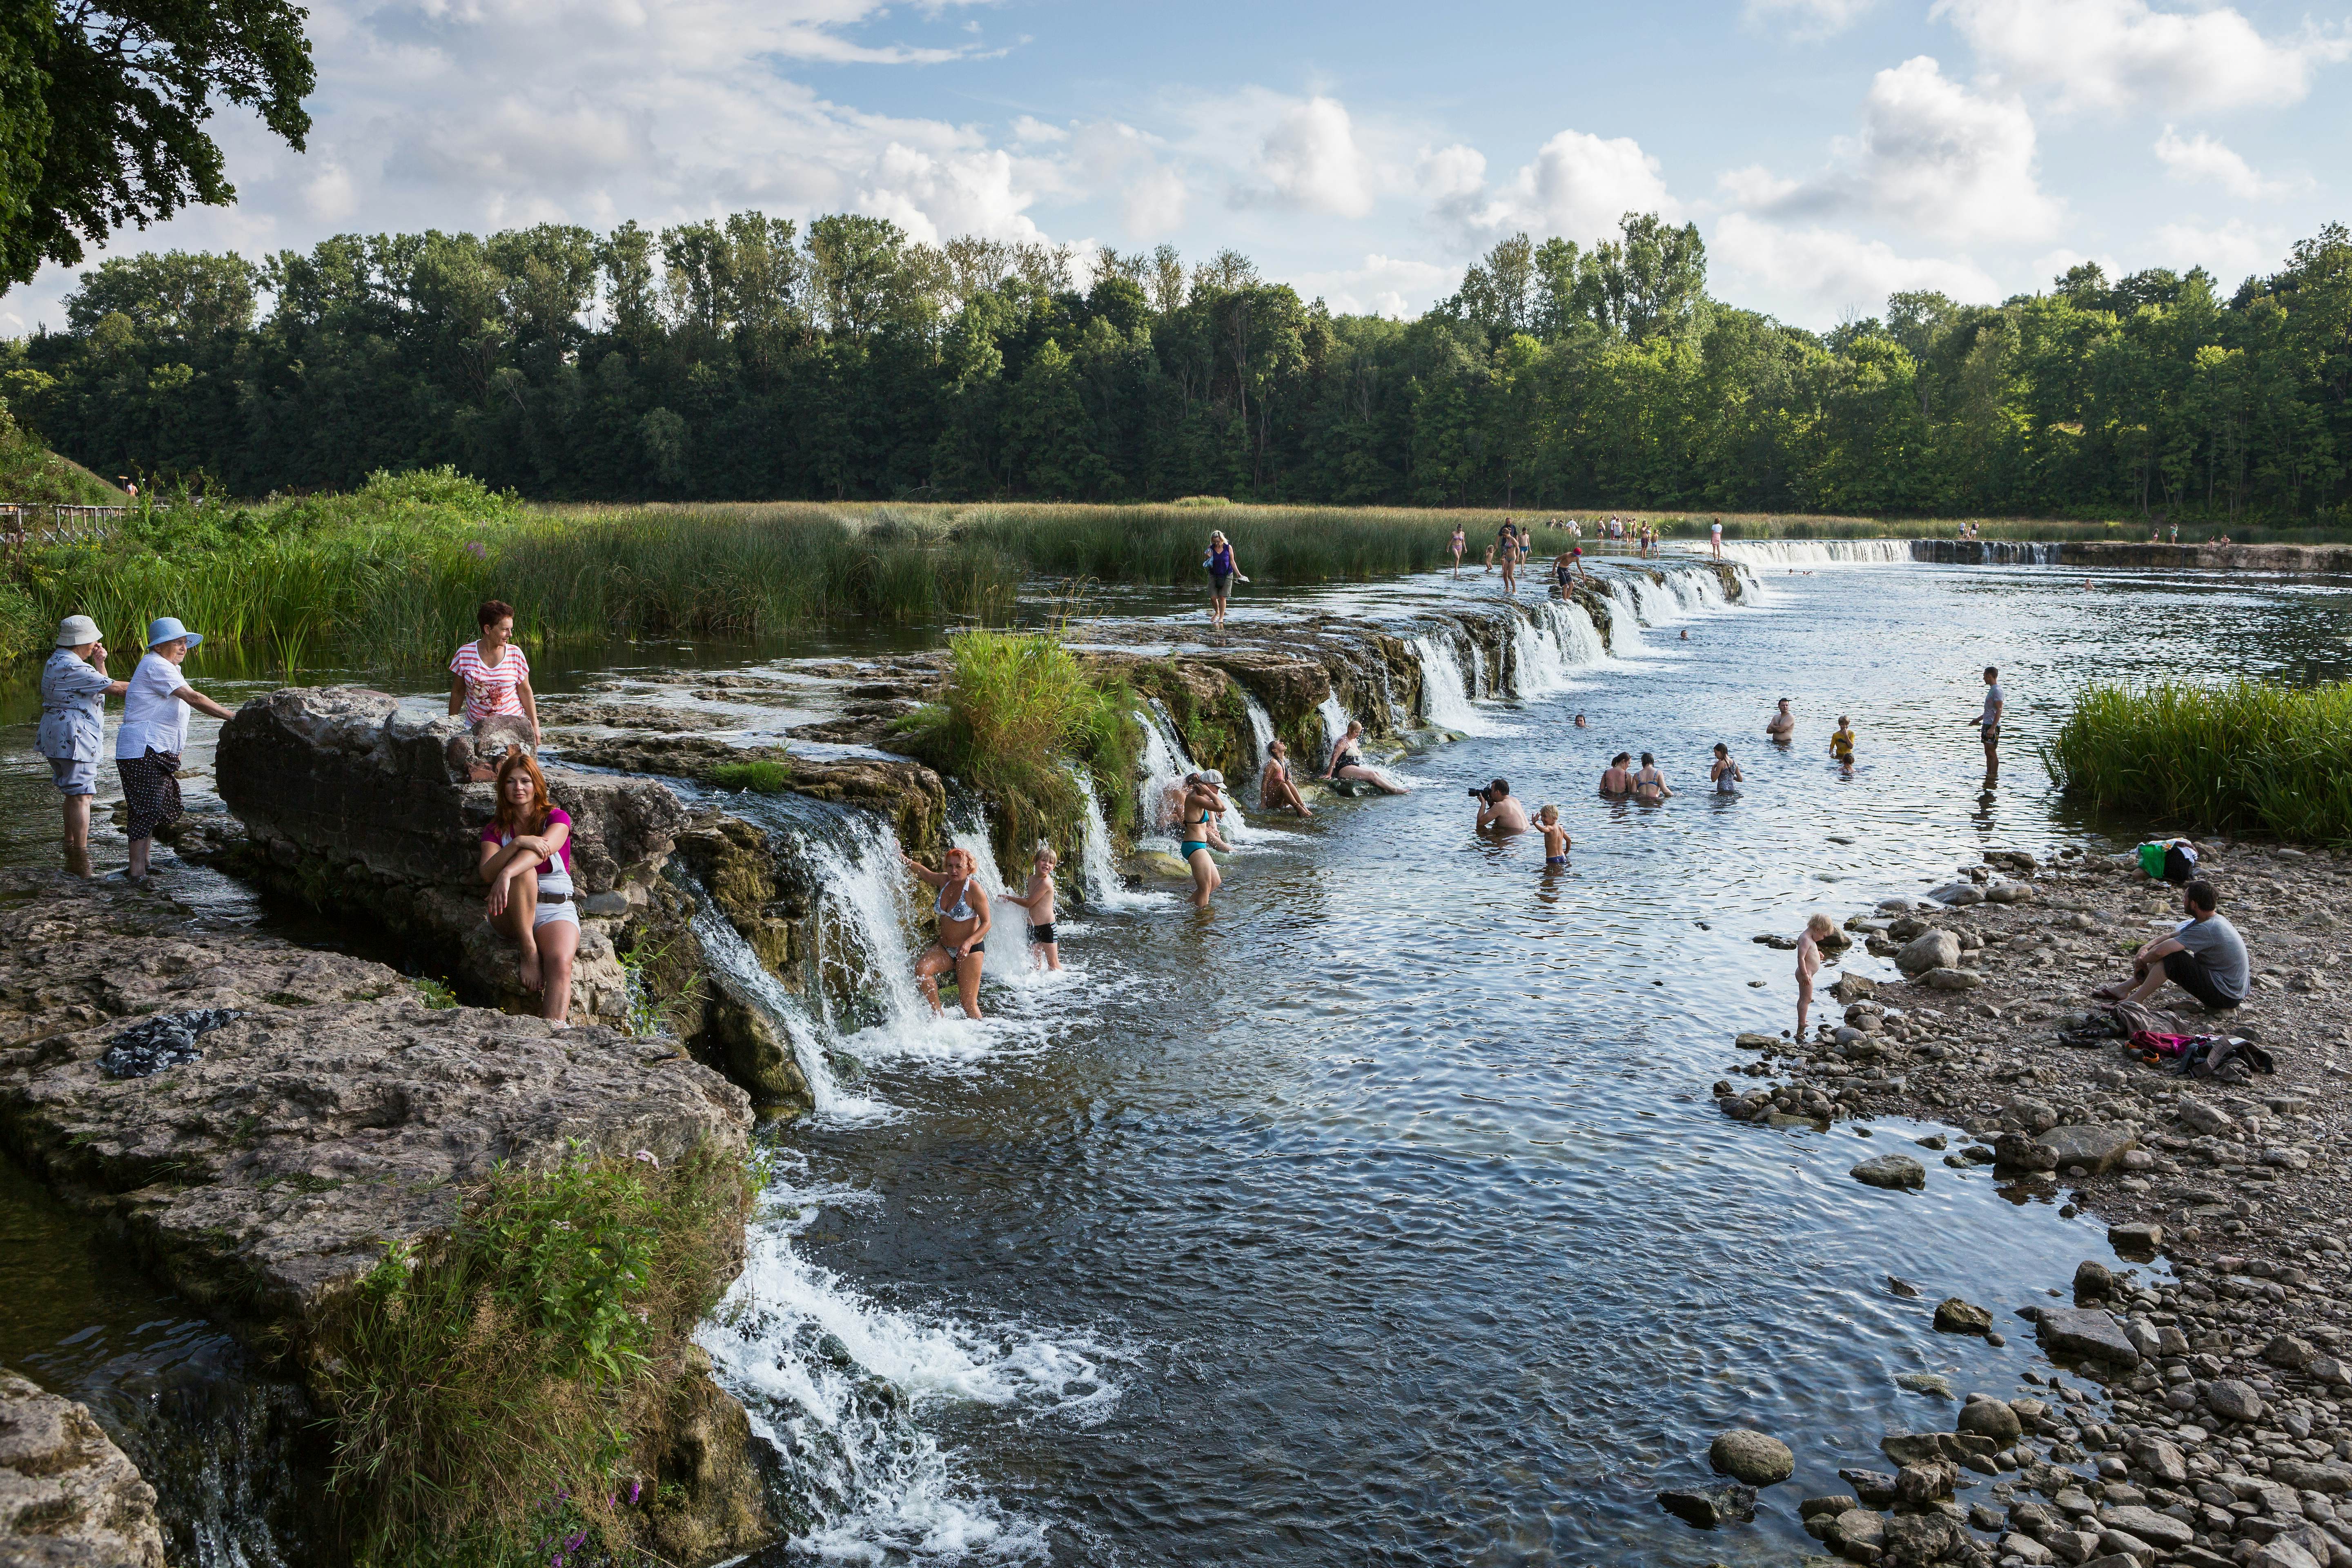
x=1898 y=1172
x=2084 y=1333
x=2094 y=1148
x=68 y=1495
x=1751 y=1457
x=1930 y=950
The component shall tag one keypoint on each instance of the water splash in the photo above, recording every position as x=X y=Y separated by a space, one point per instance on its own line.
x=1817 y=551
x=1097 y=871
x=724 y=948
x=1335 y=724
x=1443 y=695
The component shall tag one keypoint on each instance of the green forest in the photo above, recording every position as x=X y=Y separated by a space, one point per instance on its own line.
x=748 y=359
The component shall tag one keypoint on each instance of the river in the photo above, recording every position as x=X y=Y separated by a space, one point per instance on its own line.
x=1380 y=1214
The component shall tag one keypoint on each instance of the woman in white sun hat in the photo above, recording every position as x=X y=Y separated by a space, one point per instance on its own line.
x=154 y=733
x=74 y=690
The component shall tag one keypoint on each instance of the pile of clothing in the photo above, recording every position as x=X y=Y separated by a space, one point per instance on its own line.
x=2155 y=1038
x=165 y=1040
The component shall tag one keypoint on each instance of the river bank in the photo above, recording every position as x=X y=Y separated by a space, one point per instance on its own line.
x=2214 y=1424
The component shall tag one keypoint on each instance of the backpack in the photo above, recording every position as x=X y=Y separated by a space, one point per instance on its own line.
x=2167 y=862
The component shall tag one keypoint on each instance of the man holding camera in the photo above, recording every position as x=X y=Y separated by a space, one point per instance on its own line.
x=1497 y=812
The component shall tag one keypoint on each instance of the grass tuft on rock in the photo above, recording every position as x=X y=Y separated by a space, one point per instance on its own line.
x=1019 y=715
x=2249 y=756
x=764 y=776
x=502 y=1397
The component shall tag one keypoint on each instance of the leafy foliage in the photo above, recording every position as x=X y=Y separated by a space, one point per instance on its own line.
x=2247 y=756
x=751 y=360
x=765 y=776
x=523 y=1364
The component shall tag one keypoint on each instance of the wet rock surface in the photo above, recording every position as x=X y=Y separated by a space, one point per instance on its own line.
x=69 y=1497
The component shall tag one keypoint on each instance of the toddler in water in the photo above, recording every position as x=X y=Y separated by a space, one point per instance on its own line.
x=1808 y=964
x=1555 y=837
x=1038 y=900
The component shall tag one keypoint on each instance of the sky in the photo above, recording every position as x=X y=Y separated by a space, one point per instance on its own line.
x=1829 y=150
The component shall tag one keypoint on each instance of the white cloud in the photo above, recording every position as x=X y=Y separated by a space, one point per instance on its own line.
x=2231 y=251
x=2203 y=157
x=1807 y=19
x=1824 y=273
x=1932 y=157
x=1577 y=187
x=1755 y=186
x=1028 y=131
x=936 y=197
x=2105 y=54
x=1384 y=286
x=1311 y=160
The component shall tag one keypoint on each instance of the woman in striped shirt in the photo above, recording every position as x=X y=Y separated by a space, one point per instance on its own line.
x=490 y=677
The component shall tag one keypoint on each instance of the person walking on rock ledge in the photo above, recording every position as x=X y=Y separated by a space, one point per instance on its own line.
x=74 y=690
x=154 y=733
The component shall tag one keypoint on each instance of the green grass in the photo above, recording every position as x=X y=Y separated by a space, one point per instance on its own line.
x=2250 y=756
x=507 y=1387
x=1018 y=715
x=32 y=474
x=765 y=776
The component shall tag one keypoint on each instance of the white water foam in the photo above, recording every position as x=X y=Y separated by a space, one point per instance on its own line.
x=724 y=948
x=1817 y=551
x=810 y=1358
x=1098 y=872
x=1165 y=762
x=1443 y=699
x=1335 y=724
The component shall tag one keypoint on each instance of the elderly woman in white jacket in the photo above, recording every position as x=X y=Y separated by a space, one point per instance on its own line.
x=74 y=690
x=153 y=732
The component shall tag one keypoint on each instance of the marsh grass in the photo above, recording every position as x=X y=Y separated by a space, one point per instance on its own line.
x=521 y=1367
x=1019 y=713
x=2249 y=756
x=764 y=776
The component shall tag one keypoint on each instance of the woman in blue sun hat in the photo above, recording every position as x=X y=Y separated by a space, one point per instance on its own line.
x=154 y=733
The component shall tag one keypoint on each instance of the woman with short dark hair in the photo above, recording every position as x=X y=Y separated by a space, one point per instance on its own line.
x=489 y=677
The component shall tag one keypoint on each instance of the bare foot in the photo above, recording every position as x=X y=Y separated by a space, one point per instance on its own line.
x=529 y=968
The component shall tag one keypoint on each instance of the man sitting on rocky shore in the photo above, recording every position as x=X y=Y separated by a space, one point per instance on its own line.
x=2205 y=956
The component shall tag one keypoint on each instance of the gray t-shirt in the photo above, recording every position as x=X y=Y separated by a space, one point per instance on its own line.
x=1993 y=700
x=2218 y=946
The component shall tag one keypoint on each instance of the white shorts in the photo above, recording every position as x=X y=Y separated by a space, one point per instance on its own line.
x=569 y=910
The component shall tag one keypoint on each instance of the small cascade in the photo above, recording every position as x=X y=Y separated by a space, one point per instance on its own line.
x=969 y=833
x=1165 y=763
x=864 y=961
x=1819 y=552
x=1579 y=640
x=1399 y=720
x=1986 y=551
x=1625 y=617
x=1098 y=877
x=1261 y=724
x=724 y=948
x=1335 y=725
x=1443 y=697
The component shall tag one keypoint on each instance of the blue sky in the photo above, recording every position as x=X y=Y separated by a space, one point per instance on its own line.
x=1830 y=149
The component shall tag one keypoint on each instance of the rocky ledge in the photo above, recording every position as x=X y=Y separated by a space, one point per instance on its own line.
x=69 y=1497
x=2205 y=1417
x=334 y=1114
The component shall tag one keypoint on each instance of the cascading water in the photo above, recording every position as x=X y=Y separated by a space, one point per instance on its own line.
x=1443 y=699
x=1579 y=641
x=1626 y=620
x=1261 y=724
x=1165 y=762
x=1816 y=552
x=724 y=948
x=1098 y=875
x=1335 y=724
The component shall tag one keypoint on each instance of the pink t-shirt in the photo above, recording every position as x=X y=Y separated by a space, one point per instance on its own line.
x=494 y=834
x=490 y=688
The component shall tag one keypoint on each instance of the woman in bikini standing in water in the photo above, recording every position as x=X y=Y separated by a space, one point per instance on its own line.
x=963 y=914
x=1459 y=543
x=1204 y=802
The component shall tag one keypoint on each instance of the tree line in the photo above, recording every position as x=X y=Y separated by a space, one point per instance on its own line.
x=748 y=358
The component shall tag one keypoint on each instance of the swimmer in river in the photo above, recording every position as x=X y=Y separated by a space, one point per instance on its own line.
x=1617 y=778
x=1348 y=762
x=1038 y=900
x=1205 y=803
x=964 y=921
x=1685 y=633
x=1650 y=784
x=1276 y=792
x=1726 y=774
x=1842 y=744
x=1781 y=728
x=1580 y=720
x=1808 y=964
x=1555 y=837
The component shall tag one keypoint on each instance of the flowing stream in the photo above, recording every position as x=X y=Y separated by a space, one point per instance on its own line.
x=1378 y=1215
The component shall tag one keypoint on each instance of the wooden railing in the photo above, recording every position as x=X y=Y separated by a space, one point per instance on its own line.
x=29 y=525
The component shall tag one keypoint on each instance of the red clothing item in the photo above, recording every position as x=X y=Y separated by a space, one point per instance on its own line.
x=493 y=834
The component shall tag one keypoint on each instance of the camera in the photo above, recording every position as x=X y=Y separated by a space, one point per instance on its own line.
x=1479 y=793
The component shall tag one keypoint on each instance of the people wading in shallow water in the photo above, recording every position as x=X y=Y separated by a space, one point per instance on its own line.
x=1276 y=792
x=1617 y=778
x=74 y=690
x=963 y=914
x=1650 y=784
x=1781 y=728
x=1988 y=724
x=526 y=857
x=1555 y=837
x=1038 y=900
x=1348 y=762
x=489 y=677
x=1500 y=811
x=1205 y=803
x=153 y=732
x=1458 y=544
x=1224 y=572
x=1726 y=774
x=1842 y=744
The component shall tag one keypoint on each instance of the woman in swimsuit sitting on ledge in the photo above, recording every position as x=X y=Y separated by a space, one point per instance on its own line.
x=963 y=914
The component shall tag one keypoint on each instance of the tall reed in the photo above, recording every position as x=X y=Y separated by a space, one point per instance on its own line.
x=2243 y=757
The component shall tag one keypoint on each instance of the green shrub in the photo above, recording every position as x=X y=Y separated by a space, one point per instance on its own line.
x=515 y=1376
x=2247 y=756
x=765 y=776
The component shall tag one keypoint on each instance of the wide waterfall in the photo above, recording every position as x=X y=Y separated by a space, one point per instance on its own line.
x=1816 y=552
